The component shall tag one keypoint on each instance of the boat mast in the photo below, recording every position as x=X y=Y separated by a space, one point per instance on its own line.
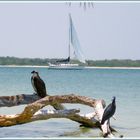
x=70 y=33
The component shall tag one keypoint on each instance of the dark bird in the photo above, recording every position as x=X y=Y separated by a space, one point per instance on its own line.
x=109 y=111
x=38 y=84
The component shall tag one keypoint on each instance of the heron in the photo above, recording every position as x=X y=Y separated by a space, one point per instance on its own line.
x=109 y=111
x=38 y=84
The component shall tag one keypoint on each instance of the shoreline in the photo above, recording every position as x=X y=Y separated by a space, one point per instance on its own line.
x=87 y=67
x=112 y=67
x=28 y=66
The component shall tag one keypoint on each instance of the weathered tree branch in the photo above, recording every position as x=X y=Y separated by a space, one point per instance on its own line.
x=31 y=113
x=67 y=113
x=21 y=99
x=9 y=101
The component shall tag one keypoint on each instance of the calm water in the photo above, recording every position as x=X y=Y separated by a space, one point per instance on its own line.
x=96 y=83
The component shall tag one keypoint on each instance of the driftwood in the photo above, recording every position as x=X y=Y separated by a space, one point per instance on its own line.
x=33 y=111
x=21 y=99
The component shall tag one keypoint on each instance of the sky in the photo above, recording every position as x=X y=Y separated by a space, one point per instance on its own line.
x=109 y=30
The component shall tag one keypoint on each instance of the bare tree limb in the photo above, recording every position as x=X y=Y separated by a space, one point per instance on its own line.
x=9 y=101
x=67 y=113
x=21 y=99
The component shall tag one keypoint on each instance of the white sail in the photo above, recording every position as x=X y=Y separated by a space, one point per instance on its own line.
x=74 y=42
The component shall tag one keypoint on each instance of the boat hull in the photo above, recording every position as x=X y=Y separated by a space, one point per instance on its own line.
x=65 y=67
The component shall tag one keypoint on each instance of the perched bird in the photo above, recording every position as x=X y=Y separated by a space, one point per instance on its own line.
x=38 y=84
x=109 y=111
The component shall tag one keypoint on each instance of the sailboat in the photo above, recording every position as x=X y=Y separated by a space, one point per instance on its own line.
x=73 y=42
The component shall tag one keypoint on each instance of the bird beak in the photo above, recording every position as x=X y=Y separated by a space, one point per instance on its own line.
x=32 y=72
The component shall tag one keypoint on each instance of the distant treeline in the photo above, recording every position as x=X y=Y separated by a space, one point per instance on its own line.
x=114 y=63
x=44 y=62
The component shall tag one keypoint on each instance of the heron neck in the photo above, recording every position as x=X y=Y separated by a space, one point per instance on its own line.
x=113 y=102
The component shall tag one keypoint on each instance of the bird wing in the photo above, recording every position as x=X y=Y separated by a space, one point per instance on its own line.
x=40 y=85
x=108 y=112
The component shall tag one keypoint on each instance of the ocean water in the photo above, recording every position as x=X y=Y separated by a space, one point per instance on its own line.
x=94 y=83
